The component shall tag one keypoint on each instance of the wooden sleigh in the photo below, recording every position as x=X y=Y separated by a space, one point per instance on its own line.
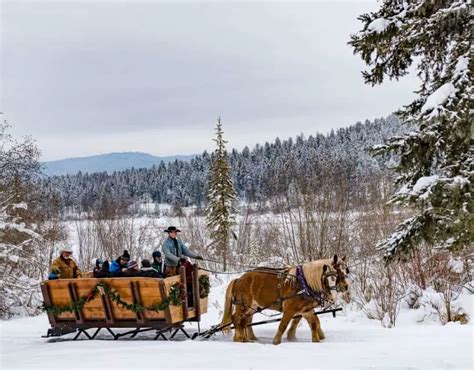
x=102 y=311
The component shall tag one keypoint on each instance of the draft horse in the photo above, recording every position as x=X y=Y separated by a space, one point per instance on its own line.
x=293 y=291
x=342 y=287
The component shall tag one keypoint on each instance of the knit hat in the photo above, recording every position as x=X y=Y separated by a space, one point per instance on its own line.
x=146 y=263
x=97 y=262
x=125 y=255
x=106 y=266
x=132 y=264
x=156 y=254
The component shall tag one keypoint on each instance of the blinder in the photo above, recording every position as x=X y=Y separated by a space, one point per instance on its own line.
x=325 y=279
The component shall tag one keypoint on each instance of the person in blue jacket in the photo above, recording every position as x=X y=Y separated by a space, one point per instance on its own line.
x=119 y=266
x=173 y=249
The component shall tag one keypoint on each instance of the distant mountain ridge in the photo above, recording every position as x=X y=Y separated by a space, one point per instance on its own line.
x=109 y=163
x=260 y=174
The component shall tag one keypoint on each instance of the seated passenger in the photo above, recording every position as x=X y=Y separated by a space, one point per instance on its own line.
x=97 y=266
x=104 y=271
x=64 y=266
x=120 y=264
x=148 y=271
x=158 y=262
x=132 y=269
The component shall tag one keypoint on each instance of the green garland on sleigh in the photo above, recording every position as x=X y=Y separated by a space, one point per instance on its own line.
x=204 y=286
x=175 y=298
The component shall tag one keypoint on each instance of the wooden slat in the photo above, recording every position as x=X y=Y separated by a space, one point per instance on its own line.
x=75 y=299
x=108 y=305
x=164 y=296
x=106 y=310
x=184 y=306
x=47 y=300
x=136 y=299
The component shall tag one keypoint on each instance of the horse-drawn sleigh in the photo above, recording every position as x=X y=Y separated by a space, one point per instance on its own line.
x=138 y=303
x=164 y=305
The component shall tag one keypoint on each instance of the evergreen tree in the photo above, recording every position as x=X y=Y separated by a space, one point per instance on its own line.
x=436 y=158
x=258 y=174
x=221 y=197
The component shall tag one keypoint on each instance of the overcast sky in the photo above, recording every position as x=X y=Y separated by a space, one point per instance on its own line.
x=89 y=77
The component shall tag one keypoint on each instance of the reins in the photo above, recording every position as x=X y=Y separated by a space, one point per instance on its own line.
x=248 y=268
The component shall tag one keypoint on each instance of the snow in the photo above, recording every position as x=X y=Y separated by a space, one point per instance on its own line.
x=352 y=341
x=19 y=227
x=21 y=205
x=455 y=264
x=378 y=25
x=461 y=66
x=423 y=183
x=460 y=181
x=438 y=97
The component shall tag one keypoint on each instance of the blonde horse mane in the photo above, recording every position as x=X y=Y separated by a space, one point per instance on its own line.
x=313 y=271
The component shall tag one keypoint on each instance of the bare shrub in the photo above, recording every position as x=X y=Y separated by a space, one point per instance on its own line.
x=108 y=238
x=382 y=299
x=437 y=279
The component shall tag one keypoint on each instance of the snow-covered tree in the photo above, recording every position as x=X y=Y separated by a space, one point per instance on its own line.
x=258 y=173
x=221 y=196
x=435 y=159
x=21 y=261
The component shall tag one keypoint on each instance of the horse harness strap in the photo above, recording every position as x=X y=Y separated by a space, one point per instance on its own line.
x=306 y=289
x=282 y=274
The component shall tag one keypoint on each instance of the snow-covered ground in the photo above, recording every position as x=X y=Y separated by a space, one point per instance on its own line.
x=352 y=341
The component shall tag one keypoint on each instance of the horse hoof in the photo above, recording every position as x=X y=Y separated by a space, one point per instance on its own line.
x=292 y=339
x=276 y=341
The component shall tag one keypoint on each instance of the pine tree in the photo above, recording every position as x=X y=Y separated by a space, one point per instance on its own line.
x=436 y=158
x=221 y=197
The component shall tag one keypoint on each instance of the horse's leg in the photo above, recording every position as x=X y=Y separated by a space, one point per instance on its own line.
x=249 y=330
x=292 y=330
x=238 y=318
x=313 y=324
x=287 y=316
x=320 y=331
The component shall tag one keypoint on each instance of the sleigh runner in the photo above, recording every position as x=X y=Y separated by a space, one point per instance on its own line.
x=140 y=303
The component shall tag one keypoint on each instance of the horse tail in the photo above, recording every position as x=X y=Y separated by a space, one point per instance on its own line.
x=227 y=318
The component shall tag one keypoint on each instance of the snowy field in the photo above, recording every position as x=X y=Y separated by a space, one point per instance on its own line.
x=352 y=341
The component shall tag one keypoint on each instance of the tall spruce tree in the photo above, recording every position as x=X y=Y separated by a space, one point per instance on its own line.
x=435 y=159
x=221 y=197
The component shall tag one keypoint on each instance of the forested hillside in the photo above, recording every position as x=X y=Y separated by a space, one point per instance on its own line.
x=259 y=174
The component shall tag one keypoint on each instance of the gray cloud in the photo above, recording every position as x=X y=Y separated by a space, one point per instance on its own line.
x=93 y=77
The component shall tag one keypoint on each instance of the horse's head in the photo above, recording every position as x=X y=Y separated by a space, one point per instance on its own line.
x=329 y=281
x=342 y=283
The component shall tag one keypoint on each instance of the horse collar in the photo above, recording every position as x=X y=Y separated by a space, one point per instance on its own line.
x=308 y=292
